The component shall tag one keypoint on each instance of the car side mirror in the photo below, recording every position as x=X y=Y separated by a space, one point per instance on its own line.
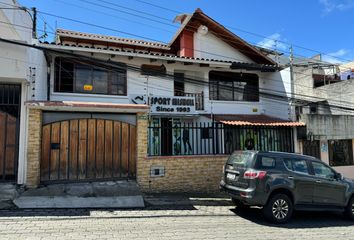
x=339 y=176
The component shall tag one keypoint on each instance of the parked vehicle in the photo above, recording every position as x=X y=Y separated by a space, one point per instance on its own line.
x=282 y=182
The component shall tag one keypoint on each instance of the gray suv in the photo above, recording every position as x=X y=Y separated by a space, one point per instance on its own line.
x=282 y=182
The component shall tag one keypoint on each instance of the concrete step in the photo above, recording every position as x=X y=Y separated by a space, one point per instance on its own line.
x=8 y=191
x=110 y=194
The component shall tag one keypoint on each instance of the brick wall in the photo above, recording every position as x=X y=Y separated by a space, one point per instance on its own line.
x=198 y=174
x=34 y=147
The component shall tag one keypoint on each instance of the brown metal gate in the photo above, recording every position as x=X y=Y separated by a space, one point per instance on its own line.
x=88 y=149
x=10 y=98
x=312 y=148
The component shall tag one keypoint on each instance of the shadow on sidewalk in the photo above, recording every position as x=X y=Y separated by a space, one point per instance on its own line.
x=300 y=219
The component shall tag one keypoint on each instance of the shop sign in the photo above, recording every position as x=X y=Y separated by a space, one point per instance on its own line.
x=164 y=104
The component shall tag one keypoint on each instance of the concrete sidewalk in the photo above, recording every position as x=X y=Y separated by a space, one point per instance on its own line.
x=110 y=194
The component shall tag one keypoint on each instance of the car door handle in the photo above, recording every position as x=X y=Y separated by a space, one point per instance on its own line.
x=290 y=177
x=318 y=181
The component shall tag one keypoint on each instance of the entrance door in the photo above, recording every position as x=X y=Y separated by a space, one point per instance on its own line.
x=88 y=149
x=10 y=98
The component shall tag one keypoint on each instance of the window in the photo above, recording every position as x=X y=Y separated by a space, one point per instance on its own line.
x=268 y=162
x=296 y=165
x=153 y=70
x=340 y=152
x=178 y=84
x=77 y=77
x=230 y=86
x=322 y=170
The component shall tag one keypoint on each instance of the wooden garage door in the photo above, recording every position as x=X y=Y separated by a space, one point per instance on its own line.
x=88 y=149
x=8 y=147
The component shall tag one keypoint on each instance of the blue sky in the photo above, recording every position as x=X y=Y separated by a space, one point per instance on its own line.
x=322 y=25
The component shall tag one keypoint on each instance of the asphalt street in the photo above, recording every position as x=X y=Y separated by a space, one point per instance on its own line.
x=200 y=220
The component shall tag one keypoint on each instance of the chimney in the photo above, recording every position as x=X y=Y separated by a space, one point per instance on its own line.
x=186 y=44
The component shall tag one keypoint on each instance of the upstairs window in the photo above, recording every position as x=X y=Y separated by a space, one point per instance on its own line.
x=77 y=77
x=230 y=86
x=153 y=70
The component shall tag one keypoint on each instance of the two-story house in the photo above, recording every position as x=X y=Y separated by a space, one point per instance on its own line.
x=119 y=108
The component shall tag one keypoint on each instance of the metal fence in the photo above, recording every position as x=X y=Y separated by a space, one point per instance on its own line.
x=173 y=138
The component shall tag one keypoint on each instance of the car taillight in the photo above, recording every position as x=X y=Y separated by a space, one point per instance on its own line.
x=254 y=174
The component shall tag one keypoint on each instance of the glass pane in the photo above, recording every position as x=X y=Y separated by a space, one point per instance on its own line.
x=322 y=170
x=225 y=91
x=118 y=83
x=268 y=162
x=100 y=81
x=300 y=166
x=288 y=164
x=241 y=158
x=82 y=77
x=238 y=90
x=213 y=90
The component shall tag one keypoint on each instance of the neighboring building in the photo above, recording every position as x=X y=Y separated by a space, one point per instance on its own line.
x=20 y=68
x=165 y=114
x=325 y=103
x=347 y=71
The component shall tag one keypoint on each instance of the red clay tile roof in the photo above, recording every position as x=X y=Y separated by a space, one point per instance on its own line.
x=67 y=35
x=142 y=53
x=256 y=120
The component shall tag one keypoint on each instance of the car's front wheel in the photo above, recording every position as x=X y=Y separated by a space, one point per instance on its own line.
x=279 y=209
x=349 y=210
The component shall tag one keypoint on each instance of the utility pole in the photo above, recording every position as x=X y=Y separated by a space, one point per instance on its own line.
x=292 y=108
x=34 y=24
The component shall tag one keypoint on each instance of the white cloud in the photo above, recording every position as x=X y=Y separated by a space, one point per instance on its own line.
x=274 y=42
x=337 y=57
x=333 y=5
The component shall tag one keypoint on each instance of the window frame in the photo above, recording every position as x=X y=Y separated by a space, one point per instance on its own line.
x=309 y=169
x=323 y=164
x=109 y=71
x=215 y=85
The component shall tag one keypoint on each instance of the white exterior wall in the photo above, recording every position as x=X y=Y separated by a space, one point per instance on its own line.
x=211 y=47
x=163 y=86
x=15 y=65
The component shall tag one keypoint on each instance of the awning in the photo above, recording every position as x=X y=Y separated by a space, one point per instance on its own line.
x=256 y=120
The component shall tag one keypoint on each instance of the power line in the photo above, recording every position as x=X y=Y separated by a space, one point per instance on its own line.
x=268 y=78
x=214 y=54
x=252 y=33
x=133 y=68
x=155 y=40
x=114 y=16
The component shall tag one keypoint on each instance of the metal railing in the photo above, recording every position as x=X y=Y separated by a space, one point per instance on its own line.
x=199 y=99
x=176 y=138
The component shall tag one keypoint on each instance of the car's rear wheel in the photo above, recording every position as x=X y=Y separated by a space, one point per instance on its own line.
x=279 y=209
x=239 y=204
x=349 y=210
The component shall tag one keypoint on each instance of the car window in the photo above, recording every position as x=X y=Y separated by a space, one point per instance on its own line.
x=244 y=159
x=322 y=170
x=300 y=166
x=288 y=164
x=267 y=162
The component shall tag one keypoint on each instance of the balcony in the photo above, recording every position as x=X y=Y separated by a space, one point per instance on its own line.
x=199 y=99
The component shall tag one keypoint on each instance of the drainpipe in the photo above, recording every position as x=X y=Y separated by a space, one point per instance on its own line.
x=34 y=25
